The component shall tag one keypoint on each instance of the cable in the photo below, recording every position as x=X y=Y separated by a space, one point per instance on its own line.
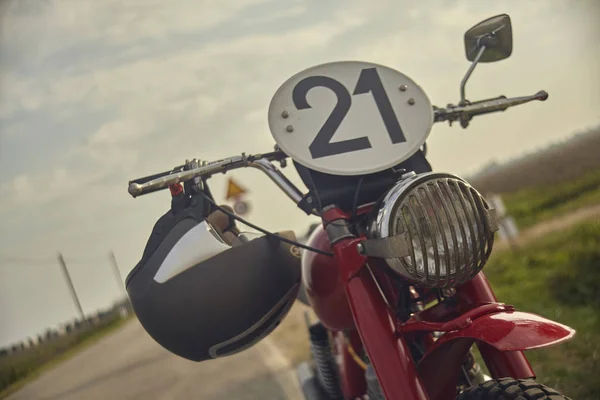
x=356 y=193
x=251 y=225
x=312 y=182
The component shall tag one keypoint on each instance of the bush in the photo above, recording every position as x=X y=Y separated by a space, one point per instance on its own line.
x=18 y=366
x=532 y=205
x=558 y=277
x=579 y=283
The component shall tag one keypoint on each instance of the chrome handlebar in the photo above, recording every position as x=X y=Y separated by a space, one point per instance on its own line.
x=264 y=162
x=465 y=112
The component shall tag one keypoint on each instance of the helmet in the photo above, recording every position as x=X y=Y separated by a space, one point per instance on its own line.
x=202 y=290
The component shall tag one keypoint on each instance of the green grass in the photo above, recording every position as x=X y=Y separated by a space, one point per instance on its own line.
x=532 y=205
x=19 y=368
x=558 y=277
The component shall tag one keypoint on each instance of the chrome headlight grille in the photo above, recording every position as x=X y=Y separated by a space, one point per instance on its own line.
x=441 y=229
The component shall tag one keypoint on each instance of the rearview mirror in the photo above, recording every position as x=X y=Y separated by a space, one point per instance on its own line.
x=488 y=41
x=495 y=34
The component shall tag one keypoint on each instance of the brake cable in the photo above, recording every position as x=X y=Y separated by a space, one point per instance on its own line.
x=251 y=225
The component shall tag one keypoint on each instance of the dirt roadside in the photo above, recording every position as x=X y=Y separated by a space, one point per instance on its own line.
x=555 y=224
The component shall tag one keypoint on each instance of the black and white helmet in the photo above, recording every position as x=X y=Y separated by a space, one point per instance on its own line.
x=202 y=290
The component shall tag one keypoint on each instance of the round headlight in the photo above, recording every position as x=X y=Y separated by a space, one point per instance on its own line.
x=433 y=229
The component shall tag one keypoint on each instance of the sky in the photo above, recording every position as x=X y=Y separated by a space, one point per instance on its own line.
x=96 y=93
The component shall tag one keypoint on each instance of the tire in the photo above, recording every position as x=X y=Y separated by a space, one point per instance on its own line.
x=511 y=389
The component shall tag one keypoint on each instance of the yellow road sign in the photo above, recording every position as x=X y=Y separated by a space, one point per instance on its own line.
x=234 y=190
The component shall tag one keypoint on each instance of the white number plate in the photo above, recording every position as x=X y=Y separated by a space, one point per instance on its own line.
x=350 y=118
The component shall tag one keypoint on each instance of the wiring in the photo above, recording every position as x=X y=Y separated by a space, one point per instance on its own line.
x=356 y=194
x=243 y=221
x=312 y=182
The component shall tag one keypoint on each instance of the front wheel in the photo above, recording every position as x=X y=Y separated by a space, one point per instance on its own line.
x=513 y=389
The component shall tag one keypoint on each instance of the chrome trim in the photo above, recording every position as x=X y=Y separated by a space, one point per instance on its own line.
x=464 y=80
x=454 y=112
x=390 y=247
x=204 y=169
x=448 y=228
x=280 y=180
x=135 y=189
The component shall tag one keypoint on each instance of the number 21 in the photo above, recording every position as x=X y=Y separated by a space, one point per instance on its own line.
x=368 y=81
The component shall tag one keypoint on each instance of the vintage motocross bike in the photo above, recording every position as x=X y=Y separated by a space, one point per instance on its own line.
x=394 y=271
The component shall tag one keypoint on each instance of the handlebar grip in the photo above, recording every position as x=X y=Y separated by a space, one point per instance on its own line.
x=484 y=111
x=146 y=191
x=155 y=176
x=542 y=95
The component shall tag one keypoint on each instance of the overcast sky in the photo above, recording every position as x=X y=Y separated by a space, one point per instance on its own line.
x=95 y=93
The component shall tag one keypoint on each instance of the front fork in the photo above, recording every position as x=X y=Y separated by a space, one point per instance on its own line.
x=512 y=364
x=374 y=319
x=383 y=337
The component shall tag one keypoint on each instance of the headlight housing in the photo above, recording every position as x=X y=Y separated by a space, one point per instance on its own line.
x=433 y=229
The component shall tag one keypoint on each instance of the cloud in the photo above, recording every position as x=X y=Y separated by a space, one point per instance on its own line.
x=116 y=132
x=276 y=16
x=151 y=102
x=20 y=188
x=160 y=98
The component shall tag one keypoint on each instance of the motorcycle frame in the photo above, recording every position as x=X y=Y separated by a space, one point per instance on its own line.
x=386 y=339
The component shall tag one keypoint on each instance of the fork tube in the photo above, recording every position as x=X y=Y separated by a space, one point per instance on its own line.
x=501 y=364
x=375 y=323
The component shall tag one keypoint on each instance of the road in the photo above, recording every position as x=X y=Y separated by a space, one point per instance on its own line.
x=556 y=224
x=128 y=364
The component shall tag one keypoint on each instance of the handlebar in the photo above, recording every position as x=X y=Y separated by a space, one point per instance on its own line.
x=465 y=112
x=263 y=162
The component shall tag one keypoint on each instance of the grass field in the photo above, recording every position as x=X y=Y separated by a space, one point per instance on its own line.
x=19 y=368
x=535 y=204
x=558 y=277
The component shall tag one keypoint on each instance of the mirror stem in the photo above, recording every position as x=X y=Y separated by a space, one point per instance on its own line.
x=463 y=83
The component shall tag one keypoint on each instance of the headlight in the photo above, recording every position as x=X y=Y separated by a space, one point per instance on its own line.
x=433 y=229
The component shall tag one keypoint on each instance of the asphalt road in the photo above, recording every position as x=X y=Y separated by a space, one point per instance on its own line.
x=128 y=364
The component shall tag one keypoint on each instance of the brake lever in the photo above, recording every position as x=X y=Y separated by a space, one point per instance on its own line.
x=198 y=169
x=464 y=113
x=165 y=180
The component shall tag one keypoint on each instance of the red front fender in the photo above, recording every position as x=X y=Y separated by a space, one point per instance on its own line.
x=505 y=331
x=509 y=331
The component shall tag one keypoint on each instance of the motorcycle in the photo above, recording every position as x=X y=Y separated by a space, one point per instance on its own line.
x=393 y=273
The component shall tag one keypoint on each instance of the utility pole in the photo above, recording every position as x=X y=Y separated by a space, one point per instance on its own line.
x=61 y=260
x=117 y=272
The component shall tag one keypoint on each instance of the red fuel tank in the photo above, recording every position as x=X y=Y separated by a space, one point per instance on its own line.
x=323 y=284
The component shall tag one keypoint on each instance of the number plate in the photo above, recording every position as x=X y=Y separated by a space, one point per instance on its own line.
x=350 y=118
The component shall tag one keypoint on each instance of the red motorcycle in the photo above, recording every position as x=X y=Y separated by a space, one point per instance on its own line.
x=394 y=272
